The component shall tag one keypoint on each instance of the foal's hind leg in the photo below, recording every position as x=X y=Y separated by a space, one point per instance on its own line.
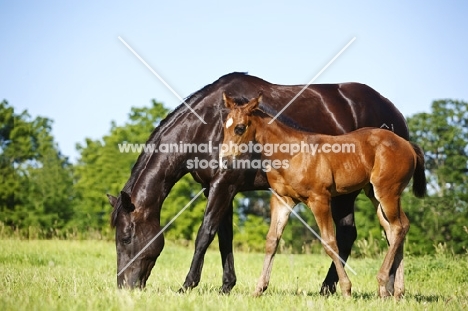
x=369 y=191
x=280 y=210
x=398 y=266
x=396 y=272
x=396 y=284
x=398 y=225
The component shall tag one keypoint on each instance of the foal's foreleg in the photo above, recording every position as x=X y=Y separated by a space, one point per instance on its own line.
x=280 y=210
x=343 y=217
x=320 y=206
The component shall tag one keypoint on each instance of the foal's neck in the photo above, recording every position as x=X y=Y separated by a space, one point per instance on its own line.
x=276 y=131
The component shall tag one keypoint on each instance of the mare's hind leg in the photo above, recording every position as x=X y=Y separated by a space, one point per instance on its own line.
x=391 y=215
x=343 y=216
x=320 y=206
x=279 y=218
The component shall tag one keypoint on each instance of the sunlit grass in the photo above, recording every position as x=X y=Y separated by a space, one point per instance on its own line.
x=80 y=275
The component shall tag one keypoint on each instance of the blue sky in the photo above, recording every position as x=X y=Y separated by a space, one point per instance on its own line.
x=63 y=59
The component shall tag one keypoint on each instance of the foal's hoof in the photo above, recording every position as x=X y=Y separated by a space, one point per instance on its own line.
x=257 y=293
x=346 y=294
x=399 y=293
x=383 y=292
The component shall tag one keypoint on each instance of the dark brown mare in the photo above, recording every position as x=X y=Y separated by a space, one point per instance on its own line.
x=373 y=159
x=326 y=108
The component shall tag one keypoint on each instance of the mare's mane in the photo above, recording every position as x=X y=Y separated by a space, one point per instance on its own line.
x=264 y=109
x=155 y=136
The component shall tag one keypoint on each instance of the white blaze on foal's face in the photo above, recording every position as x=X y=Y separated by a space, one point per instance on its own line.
x=229 y=122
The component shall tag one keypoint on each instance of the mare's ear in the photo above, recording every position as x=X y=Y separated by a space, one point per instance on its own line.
x=112 y=200
x=253 y=103
x=228 y=102
x=126 y=202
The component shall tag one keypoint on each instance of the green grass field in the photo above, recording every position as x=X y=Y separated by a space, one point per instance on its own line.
x=80 y=275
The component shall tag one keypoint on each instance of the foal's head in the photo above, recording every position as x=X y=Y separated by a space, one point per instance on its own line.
x=237 y=128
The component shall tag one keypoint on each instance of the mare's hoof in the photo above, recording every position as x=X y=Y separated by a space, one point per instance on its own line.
x=183 y=290
x=224 y=291
x=328 y=289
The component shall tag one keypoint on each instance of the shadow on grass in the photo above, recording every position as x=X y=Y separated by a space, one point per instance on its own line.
x=366 y=296
x=420 y=298
x=427 y=298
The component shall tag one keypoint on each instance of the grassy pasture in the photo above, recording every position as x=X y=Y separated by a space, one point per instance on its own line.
x=80 y=275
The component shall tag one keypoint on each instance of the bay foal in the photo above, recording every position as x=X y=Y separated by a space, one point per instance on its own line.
x=381 y=163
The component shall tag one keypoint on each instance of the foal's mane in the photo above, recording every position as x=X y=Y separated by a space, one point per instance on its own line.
x=266 y=110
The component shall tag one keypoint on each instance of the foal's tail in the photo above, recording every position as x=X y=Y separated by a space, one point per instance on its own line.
x=419 y=177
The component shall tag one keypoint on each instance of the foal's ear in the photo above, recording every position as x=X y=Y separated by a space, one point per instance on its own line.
x=253 y=103
x=112 y=200
x=229 y=102
x=126 y=202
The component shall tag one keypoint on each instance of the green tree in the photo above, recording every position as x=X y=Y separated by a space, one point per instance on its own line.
x=186 y=226
x=36 y=178
x=443 y=135
x=441 y=219
x=102 y=168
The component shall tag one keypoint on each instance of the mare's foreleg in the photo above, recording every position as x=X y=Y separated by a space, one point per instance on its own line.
x=225 y=236
x=280 y=210
x=219 y=203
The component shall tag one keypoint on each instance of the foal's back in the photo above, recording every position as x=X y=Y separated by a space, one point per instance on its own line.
x=346 y=163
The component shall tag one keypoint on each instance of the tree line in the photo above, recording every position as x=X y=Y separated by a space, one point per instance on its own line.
x=44 y=195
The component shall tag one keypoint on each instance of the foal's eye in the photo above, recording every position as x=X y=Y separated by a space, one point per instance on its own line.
x=240 y=129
